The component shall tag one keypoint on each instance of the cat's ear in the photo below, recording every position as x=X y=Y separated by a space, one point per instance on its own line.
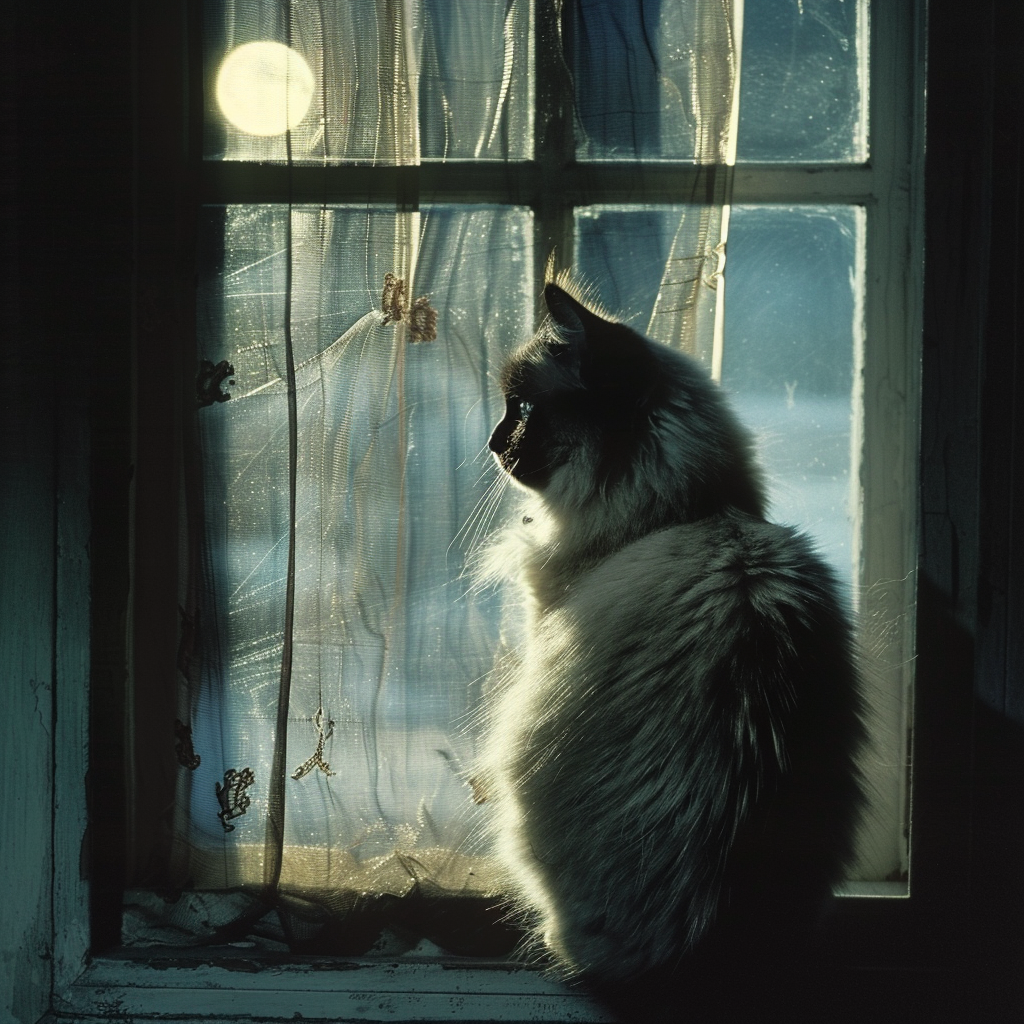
x=570 y=316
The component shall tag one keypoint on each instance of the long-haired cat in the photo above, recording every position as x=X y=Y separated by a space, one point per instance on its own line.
x=671 y=761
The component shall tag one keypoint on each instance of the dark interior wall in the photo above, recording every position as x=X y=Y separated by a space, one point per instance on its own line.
x=969 y=745
x=66 y=141
x=996 y=839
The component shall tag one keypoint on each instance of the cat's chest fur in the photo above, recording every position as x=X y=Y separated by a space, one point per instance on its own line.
x=630 y=637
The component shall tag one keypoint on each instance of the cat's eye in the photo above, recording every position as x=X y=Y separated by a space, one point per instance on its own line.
x=517 y=408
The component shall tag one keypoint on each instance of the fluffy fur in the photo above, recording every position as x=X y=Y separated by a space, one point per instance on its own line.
x=672 y=758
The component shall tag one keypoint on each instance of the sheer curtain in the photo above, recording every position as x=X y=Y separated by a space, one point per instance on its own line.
x=333 y=654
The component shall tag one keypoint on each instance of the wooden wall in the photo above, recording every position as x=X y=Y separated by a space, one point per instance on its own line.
x=66 y=145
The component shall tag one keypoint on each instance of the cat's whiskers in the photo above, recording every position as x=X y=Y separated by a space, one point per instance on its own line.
x=494 y=495
x=478 y=523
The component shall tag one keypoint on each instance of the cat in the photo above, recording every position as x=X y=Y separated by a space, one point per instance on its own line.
x=671 y=761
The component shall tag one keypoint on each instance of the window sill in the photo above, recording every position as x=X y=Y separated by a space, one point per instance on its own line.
x=237 y=982
x=190 y=986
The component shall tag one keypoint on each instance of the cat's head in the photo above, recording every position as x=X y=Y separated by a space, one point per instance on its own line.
x=596 y=412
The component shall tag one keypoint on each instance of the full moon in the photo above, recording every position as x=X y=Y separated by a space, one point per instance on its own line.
x=264 y=88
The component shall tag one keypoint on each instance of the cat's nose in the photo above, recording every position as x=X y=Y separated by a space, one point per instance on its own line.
x=498 y=441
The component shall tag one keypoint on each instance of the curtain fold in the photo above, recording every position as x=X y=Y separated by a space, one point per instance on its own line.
x=334 y=654
x=691 y=301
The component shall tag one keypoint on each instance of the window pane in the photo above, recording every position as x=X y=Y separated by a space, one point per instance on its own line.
x=802 y=81
x=791 y=333
x=368 y=81
x=792 y=340
x=646 y=90
x=790 y=337
x=645 y=87
x=389 y=649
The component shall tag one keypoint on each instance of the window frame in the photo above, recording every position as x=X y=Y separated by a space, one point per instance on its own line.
x=926 y=934
x=554 y=185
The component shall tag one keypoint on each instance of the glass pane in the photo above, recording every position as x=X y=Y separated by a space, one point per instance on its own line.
x=802 y=81
x=791 y=335
x=389 y=649
x=791 y=349
x=621 y=252
x=476 y=80
x=791 y=328
x=644 y=84
x=367 y=81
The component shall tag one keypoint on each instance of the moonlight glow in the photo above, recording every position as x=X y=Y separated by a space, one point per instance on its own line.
x=264 y=88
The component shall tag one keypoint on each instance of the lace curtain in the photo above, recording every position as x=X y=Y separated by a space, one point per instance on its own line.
x=333 y=653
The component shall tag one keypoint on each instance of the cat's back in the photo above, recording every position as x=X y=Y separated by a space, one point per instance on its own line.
x=689 y=706
x=711 y=582
x=697 y=634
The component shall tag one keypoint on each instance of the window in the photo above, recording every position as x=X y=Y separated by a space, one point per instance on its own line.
x=331 y=653
x=835 y=187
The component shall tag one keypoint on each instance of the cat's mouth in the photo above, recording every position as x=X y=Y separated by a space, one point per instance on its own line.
x=535 y=478
x=509 y=464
